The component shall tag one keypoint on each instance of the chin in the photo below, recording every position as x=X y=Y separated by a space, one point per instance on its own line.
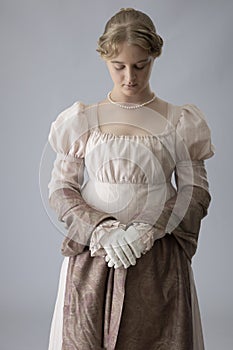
x=131 y=90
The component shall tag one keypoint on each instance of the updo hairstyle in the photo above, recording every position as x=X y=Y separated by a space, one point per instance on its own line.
x=132 y=26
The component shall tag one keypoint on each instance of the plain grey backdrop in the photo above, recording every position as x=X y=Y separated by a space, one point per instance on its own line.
x=48 y=61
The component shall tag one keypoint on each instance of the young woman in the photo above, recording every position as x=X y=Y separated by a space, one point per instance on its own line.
x=126 y=281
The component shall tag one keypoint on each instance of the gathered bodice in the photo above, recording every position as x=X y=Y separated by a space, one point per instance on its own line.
x=130 y=176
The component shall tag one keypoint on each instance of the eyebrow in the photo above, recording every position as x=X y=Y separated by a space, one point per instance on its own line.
x=144 y=60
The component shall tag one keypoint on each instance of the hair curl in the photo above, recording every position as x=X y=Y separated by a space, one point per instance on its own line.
x=132 y=26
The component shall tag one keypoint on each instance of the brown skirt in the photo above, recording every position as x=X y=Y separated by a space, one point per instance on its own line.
x=151 y=305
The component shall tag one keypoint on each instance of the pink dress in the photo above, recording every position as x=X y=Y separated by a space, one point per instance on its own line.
x=98 y=176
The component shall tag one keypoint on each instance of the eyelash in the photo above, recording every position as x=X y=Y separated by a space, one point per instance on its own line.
x=139 y=68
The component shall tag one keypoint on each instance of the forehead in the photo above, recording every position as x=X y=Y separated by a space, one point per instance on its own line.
x=128 y=53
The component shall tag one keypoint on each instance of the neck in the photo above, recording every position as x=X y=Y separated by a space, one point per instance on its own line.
x=136 y=98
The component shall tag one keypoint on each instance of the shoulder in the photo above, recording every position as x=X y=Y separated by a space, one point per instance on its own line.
x=193 y=130
x=192 y=122
x=69 y=112
x=187 y=116
x=69 y=129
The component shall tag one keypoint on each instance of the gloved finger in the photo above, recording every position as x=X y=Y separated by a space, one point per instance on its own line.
x=137 y=248
x=116 y=266
x=107 y=258
x=121 y=256
x=111 y=263
x=128 y=252
x=124 y=254
x=116 y=254
x=111 y=254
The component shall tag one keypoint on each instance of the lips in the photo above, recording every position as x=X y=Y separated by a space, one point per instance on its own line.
x=131 y=85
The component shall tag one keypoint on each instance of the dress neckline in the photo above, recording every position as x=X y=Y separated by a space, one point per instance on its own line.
x=106 y=134
x=112 y=135
x=167 y=130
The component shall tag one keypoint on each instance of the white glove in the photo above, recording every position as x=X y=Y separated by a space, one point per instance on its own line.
x=130 y=245
x=137 y=238
x=105 y=228
x=119 y=247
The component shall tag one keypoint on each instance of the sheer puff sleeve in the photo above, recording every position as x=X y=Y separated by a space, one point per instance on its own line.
x=193 y=146
x=68 y=136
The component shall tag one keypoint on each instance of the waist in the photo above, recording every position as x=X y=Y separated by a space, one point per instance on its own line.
x=123 y=200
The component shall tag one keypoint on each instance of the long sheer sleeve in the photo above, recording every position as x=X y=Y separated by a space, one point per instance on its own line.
x=183 y=213
x=68 y=136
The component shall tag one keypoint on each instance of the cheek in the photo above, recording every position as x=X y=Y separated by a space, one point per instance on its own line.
x=146 y=74
x=116 y=76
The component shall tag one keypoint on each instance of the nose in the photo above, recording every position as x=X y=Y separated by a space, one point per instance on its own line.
x=130 y=75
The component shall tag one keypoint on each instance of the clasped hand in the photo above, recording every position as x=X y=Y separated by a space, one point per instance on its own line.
x=123 y=247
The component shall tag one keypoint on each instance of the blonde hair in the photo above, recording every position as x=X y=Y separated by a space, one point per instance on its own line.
x=132 y=26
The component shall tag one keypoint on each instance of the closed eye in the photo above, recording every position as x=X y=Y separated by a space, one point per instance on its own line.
x=140 y=67
x=119 y=68
x=136 y=67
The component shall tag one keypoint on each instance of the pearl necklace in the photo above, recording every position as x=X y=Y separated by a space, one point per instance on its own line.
x=129 y=107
